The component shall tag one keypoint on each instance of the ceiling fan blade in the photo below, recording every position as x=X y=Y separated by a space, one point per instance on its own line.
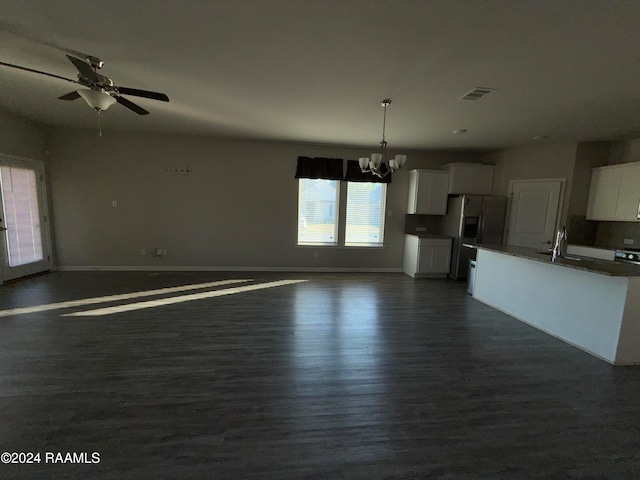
x=70 y=96
x=20 y=31
x=84 y=68
x=38 y=71
x=131 y=106
x=142 y=93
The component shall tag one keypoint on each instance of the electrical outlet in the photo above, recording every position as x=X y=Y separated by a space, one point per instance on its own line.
x=629 y=241
x=143 y=251
x=315 y=254
x=164 y=252
x=421 y=229
x=114 y=203
x=159 y=252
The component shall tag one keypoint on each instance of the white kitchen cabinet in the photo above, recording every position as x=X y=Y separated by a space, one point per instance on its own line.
x=614 y=194
x=427 y=256
x=628 y=205
x=603 y=193
x=470 y=178
x=428 y=191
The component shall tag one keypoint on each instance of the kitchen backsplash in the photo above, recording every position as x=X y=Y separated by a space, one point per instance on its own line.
x=421 y=224
x=613 y=234
x=610 y=235
x=580 y=231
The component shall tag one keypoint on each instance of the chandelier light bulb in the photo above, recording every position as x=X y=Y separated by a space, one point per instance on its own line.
x=375 y=164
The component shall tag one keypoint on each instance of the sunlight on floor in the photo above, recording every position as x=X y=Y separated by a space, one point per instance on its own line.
x=183 y=298
x=115 y=298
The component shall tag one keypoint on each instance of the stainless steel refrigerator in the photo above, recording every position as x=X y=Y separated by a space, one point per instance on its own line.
x=472 y=219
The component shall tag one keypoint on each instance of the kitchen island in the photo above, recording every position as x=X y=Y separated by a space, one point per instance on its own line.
x=591 y=304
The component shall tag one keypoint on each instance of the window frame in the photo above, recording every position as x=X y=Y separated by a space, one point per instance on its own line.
x=341 y=210
x=383 y=209
x=300 y=216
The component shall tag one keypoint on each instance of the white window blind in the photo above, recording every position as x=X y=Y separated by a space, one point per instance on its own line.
x=317 y=211
x=365 y=213
x=22 y=216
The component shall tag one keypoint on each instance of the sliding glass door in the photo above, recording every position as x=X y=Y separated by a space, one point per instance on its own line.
x=24 y=236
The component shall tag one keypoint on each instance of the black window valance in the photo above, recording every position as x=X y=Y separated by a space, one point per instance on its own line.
x=325 y=168
x=354 y=174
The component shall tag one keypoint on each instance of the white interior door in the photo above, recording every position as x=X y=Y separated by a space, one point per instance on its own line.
x=24 y=245
x=534 y=212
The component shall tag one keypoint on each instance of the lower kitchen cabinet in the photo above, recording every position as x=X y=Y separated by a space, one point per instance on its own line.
x=427 y=256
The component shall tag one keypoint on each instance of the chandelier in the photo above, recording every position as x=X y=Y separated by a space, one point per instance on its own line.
x=377 y=161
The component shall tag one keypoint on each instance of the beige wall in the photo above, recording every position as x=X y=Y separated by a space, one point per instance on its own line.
x=624 y=152
x=21 y=138
x=237 y=207
x=555 y=160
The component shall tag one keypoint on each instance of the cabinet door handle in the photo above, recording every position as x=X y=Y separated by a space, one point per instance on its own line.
x=638 y=215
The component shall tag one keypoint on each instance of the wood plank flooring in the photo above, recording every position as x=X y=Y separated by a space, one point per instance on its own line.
x=344 y=376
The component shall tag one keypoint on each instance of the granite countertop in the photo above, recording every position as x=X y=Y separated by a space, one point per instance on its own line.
x=427 y=235
x=594 y=265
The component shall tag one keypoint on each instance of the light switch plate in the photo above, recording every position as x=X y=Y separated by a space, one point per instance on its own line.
x=629 y=241
x=421 y=229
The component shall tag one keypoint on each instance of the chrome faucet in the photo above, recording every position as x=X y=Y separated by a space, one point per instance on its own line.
x=560 y=245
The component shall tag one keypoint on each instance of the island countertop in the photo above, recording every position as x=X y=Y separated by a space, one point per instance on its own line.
x=604 y=267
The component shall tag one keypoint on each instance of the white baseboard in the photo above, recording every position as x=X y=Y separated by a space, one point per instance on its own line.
x=125 y=268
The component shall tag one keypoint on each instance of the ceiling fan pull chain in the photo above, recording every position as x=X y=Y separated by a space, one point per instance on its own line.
x=99 y=124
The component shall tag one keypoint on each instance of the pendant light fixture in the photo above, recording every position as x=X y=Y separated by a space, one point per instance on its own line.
x=377 y=160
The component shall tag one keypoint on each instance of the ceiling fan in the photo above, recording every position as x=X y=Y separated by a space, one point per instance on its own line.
x=101 y=92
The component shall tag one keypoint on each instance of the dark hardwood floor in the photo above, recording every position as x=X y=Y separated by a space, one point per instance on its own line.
x=344 y=376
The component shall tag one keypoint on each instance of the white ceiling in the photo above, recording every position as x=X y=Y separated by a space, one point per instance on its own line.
x=316 y=70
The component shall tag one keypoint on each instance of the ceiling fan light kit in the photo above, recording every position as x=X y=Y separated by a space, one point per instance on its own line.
x=375 y=164
x=97 y=99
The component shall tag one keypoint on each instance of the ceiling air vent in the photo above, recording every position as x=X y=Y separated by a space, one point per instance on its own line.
x=476 y=93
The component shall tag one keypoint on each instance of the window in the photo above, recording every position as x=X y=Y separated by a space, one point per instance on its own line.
x=365 y=213
x=353 y=218
x=318 y=211
x=20 y=200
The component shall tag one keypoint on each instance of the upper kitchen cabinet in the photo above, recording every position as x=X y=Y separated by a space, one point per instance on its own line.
x=614 y=194
x=428 y=192
x=470 y=178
